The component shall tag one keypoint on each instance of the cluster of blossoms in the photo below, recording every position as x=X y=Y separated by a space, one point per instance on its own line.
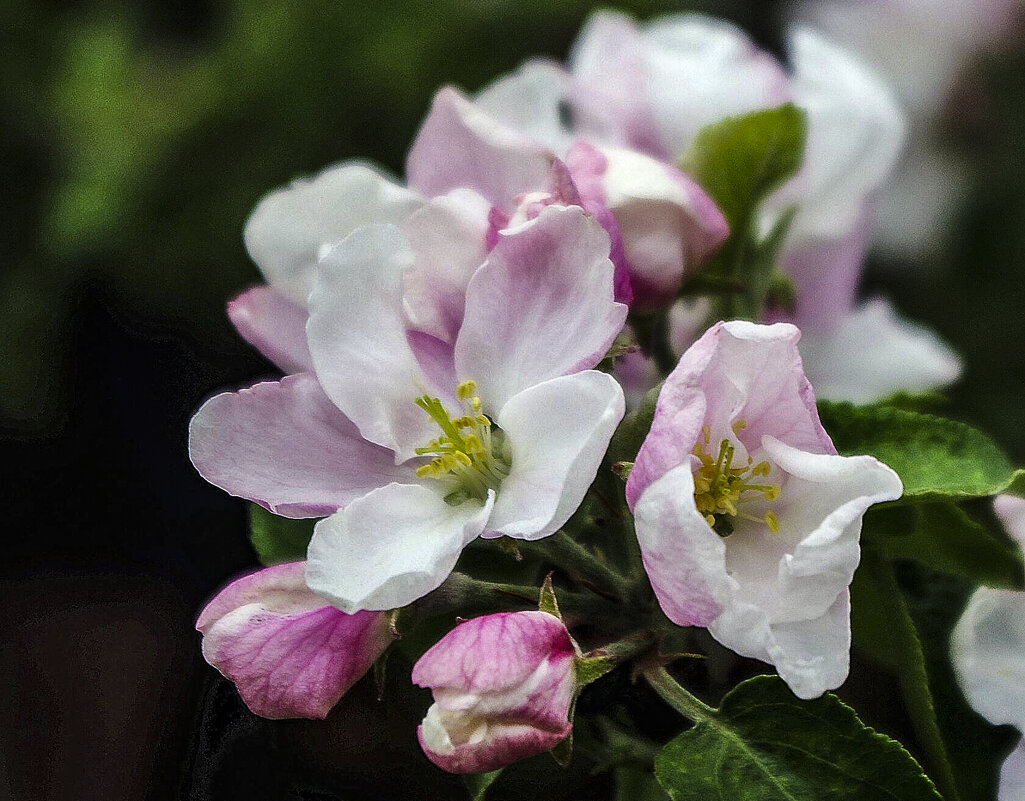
x=459 y=352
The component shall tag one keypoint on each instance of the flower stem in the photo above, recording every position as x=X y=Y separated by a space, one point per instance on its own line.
x=673 y=693
x=911 y=672
x=580 y=564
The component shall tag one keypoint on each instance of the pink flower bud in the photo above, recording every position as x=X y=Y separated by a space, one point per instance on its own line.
x=289 y=653
x=503 y=685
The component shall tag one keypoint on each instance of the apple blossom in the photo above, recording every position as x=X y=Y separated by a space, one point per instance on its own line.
x=988 y=653
x=289 y=652
x=413 y=442
x=503 y=685
x=748 y=520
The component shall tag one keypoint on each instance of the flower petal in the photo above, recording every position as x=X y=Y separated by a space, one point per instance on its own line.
x=285 y=446
x=685 y=560
x=1012 y=775
x=558 y=432
x=274 y=325
x=986 y=650
x=391 y=547
x=856 y=131
x=872 y=354
x=813 y=656
x=358 y=342
x=459 y=145
x=289 y=653
x=532 y=100
x=541 y=306
x=1011 y=512
x=288 y=228
x=448 y=238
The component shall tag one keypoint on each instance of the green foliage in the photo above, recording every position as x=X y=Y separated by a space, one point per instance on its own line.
x=936 y=458
x=278 y=539
x=765 y=745
x=478 y=783
x=630 y=434
x=739 y=160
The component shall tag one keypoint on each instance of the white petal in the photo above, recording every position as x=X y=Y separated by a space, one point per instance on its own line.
x=531 y=100
x=558 y=432
x=1012 y=775
x=872 y=354
x=1011 y=511
x=288 y=228
x=390 y=547
x=987 y=649
x=813 y=656
x=357 y=338
x=541 y=306
x=855 y=133
x=448 y=237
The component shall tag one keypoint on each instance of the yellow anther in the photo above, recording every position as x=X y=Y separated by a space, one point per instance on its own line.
x=466 y=390
x=476 y=404
x=720 y=490
x=739 y=426
x=706 y=434
x=762 y=469
x=772 y=522
x=710 y=520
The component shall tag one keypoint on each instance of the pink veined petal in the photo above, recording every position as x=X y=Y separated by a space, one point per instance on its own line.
x=685 y=560
x=448 y=237
x=357 y=335
x=274 y=325
x=391 y=547
x=459 y=145
x=541 y=306
x=502 y=688
x=558 y=432
x=289 y=227
x=289 y=653
x=285 y=446
x=611 y=101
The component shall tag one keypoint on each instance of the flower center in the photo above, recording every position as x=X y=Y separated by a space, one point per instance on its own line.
x=719 y=487
x=470 y=456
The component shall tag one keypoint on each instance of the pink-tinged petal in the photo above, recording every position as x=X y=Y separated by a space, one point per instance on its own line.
x=1011 y=512
x=541 y=306
x=285 y=446
x=684 y=558
x=289 y=653
x=986 y=649
x=871 y=354
x=856 y=131
x=826 y=275
x=701 y=70
x=448 y=236
x=558 y=432
x=637 y=374
x=532 y=100
x=502 y=687
x=688 y=320
x=728 y=364
x=669 y=225
x=357 y=337
x=1012 y=775
x=611 y=101
x=274 y=325
x=391 y=547
x=813 y=656
x=459 y=145
x=289 y=227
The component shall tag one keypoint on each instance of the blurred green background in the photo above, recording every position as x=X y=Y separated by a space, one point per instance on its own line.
x=135 y=138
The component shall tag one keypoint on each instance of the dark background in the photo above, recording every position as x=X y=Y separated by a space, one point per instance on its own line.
x=135 y=138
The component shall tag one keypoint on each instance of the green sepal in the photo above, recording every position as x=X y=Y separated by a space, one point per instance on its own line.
x=936 y=458
x=632 y=431
x=478 y=783
x=546 y=601
x=562 y=753
x=592 y=668
x=278 y=539
x=763 y=744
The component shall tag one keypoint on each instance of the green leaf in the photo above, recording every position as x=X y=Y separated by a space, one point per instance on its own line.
x=947 y=539
x=478 y=783
x=739 y=160
x=935 y=458
x=634 y=428
x=278 y=539
x=765 y=745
